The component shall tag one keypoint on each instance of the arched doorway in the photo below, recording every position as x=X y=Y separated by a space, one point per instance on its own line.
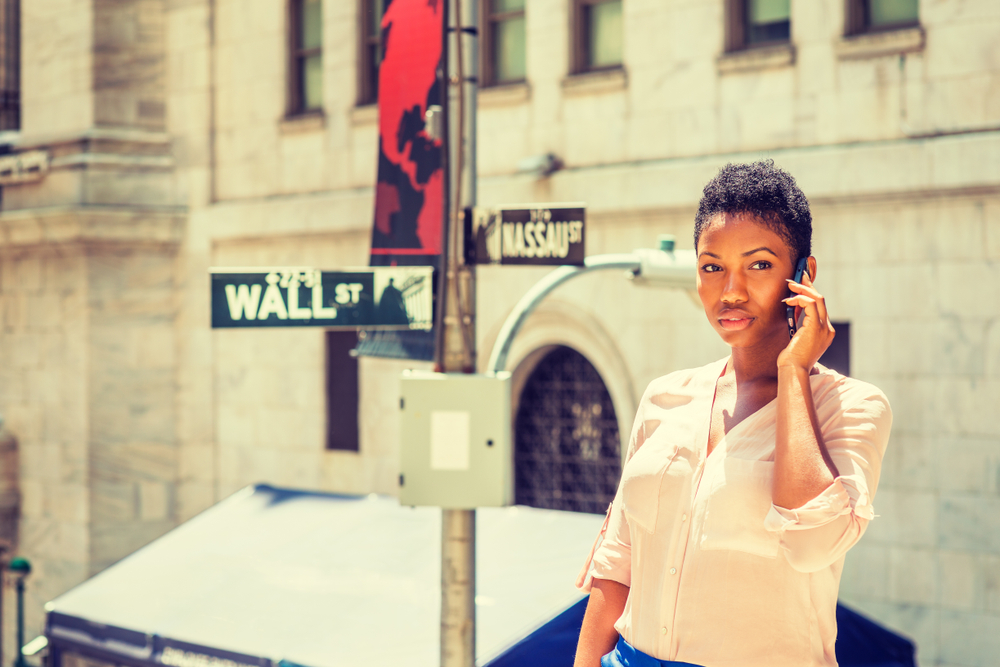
x=567 y=454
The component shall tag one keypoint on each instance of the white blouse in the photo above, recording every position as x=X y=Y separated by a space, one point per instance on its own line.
x=718 y=574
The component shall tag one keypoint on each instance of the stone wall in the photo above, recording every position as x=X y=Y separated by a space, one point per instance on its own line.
x=675 y=99
x=88 y=390
x=44 y=393
x=189 y=113
x=132 y=394
x=88 y=291
x=57 y=47
x=130 y=63
x=929 y=564
x=259 y=152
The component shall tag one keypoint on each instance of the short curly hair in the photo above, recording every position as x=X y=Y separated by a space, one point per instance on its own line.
x=765 y=191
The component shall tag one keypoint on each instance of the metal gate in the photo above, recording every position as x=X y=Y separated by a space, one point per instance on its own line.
x=567 y=454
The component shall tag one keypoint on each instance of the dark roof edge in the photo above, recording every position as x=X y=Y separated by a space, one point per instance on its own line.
x=136 y=649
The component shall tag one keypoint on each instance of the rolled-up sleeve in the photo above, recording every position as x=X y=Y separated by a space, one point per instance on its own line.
x=611 y=556
x=821 y=531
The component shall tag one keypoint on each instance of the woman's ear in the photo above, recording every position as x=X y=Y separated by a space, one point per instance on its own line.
x=811 y=261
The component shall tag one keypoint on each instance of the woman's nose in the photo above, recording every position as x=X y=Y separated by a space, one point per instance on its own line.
x=734 y=290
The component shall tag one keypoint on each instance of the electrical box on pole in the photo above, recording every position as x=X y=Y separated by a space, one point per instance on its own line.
x=456 y=440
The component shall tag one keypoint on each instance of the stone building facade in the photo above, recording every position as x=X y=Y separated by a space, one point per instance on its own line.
x=169 y=148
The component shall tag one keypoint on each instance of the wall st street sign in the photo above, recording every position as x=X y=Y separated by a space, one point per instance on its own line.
x=372 y=298
x=540 y=234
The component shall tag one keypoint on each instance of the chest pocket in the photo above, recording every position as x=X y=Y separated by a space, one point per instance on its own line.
x=654 y=482
x=737 y=504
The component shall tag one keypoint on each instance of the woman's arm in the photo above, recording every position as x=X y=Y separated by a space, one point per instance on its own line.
x=598 y=635
x=802 y=465
x=822 y=485
x=820 y=532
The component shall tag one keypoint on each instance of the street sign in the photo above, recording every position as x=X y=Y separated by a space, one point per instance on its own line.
x=540 y=234
x=372 y=298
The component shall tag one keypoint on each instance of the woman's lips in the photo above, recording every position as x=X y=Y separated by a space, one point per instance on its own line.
x=735 y=324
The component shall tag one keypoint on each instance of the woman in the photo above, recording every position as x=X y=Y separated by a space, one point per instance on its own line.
x=745 y=481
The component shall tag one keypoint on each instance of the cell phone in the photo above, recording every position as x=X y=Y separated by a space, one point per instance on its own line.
x=800 y=269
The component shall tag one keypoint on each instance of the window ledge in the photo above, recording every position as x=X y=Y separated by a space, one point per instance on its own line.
x=504 y=94
x=601 y=81
x=364 y=115
x=306 y=122
x=753 y=59
x=875 y=44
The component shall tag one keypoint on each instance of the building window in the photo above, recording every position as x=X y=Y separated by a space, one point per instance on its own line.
x=768 y=21
x=751 y=23
x=503 y=42
x=838 y=355
x=598 y=37
x=567 y=453
x=10 y=65
x=306 y=39
x=880 y=15
x=370 y=51
x=341 y=391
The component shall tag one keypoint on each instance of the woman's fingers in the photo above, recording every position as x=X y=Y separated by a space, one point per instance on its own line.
x=810 y=292
x=803 y=289
x=804 y=302
x=799 y=300
x=811 y=308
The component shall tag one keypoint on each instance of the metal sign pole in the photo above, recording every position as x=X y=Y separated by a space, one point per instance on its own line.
x=458 y=526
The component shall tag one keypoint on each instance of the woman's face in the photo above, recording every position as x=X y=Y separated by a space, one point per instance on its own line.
x=742 y=267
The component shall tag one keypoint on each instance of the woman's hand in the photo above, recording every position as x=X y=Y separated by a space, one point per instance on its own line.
x=815 y=333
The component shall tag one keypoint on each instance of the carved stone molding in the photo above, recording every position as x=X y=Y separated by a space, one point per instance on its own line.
x=91 y=225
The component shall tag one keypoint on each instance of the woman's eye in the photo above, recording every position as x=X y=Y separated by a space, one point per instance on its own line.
x=761 y=265
x=711 y=268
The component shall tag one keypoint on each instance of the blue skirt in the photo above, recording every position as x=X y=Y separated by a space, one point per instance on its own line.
x=626 y=655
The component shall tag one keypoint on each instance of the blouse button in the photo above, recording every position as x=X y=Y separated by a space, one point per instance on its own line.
x=684 y=517
x=673 y=570
x=663 y=631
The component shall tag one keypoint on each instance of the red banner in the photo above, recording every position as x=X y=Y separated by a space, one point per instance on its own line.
x=409 y=195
